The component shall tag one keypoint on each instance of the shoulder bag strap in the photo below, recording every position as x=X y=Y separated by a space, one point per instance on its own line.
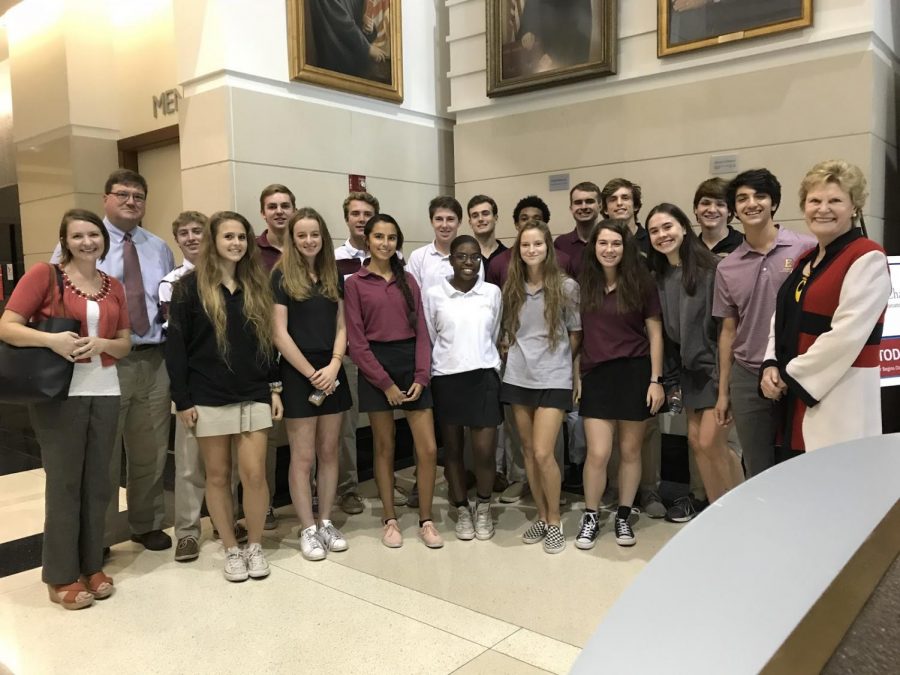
x=57 y=303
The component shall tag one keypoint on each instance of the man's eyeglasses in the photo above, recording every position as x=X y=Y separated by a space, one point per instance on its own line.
x=467 y=257
x=122 y=197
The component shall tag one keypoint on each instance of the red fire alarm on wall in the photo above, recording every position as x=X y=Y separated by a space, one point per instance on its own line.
x=357 y=182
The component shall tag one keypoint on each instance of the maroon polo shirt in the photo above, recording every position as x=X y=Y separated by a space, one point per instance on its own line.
x=572 y=246
x=270 y=254
x=609 y=335
x=376 y=311
x=498 y=269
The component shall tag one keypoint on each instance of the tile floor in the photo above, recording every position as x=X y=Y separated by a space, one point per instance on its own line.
x=472 y=607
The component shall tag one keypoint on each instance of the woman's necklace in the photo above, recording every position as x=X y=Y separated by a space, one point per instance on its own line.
x=807 y=271
x=95 y=294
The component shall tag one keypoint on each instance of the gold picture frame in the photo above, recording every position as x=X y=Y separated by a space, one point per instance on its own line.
x=532 y=45
x=688 y=25
x=365 y=58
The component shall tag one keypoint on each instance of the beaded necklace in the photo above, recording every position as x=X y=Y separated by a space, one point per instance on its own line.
x=96 y=297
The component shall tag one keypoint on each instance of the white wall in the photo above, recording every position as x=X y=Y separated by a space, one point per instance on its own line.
x=245 y=124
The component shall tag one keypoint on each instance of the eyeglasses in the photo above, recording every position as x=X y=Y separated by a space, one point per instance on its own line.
x=122 y=197
x=467 y=257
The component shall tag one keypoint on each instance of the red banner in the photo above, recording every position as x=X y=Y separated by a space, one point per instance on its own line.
x=890 y=359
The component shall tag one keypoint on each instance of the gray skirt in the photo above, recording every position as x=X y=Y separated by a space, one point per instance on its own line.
x=698 y=390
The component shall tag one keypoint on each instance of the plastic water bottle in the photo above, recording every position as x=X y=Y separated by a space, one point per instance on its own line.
x=675 y=404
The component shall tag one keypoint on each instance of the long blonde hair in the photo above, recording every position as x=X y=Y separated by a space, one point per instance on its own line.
x=555 y=300
x=249 y=274
x=297 y=281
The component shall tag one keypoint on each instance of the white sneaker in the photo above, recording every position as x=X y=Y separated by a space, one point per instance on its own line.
x=235 y=565
x=484 y=524
x=257 y=566
x=310 y=545
x=465 y=528
x=331 y=537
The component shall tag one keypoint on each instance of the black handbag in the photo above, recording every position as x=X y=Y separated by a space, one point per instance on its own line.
x=38 y=374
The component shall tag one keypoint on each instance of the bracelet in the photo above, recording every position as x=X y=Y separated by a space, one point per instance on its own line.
x=339 y=357
x=276 y=387
x=656 y=382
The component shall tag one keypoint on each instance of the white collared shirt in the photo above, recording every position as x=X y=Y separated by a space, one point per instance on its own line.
x=348 y=251
x=156 y=262
x=463 y=327
x=430 y=267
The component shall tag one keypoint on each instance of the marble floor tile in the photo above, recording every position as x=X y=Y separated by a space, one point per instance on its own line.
x=168 y=617
x=563 y=596
x=539 y=650
x=14 y=582
x=428 y=609
x=24 y=485
x=495 y=663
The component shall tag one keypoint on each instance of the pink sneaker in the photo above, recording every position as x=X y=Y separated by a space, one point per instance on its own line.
x=392 y=538
x=429 y=535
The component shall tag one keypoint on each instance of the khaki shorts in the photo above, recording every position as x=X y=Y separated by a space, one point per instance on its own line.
x=235 y=418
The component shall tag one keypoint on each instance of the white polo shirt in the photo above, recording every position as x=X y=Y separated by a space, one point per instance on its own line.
x=463 y=327
x=430 y=267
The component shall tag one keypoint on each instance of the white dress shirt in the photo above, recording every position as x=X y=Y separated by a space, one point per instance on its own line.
x=156 y=262
x=430 y=267
x=463 y=327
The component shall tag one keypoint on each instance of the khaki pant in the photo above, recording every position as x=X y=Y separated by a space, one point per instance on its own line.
x=143 y=431
x=348 y=470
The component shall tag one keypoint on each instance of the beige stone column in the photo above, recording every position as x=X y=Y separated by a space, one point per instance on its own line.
x=64 y=113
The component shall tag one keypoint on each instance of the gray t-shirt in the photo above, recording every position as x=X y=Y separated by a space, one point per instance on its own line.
x=530 y=362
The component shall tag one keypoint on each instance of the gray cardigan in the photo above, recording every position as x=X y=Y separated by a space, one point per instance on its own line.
x=691 y=330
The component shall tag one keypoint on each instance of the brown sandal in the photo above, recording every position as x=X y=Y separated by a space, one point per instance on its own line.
x=99 y=585
x=67 y=595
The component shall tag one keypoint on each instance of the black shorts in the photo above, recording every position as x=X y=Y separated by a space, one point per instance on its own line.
x=470 y=399
x=297 y=389
x=399 y=361
x=560 y=399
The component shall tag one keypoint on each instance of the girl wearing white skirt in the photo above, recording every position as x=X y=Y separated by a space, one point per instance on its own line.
x=223 y=374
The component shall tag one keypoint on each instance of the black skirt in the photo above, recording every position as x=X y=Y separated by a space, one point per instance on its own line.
x=617 y=390
x=297 y=389
x=399 y=360
x=512 y=394
x=470 y=399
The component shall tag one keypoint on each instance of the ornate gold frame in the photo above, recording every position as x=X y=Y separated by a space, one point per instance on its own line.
x=302 y=71
x=663 y=47
x=604 y=65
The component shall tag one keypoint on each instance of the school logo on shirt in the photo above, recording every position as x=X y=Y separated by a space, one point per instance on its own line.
x=788 y=264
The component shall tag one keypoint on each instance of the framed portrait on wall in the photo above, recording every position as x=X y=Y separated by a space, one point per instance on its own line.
x=533 y=44
x=685 y=25
x=350 y=45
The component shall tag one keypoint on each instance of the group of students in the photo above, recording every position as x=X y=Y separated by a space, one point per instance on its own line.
x=613 y=320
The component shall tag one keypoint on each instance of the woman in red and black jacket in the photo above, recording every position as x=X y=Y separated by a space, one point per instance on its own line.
x=822 y=362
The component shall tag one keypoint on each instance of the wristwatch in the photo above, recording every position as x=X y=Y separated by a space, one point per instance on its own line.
x=657 y=380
